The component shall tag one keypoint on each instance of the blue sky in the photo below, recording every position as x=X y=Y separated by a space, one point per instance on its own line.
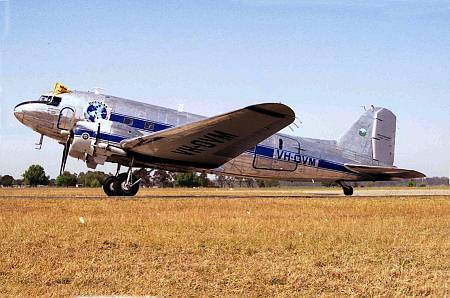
x=325 y=59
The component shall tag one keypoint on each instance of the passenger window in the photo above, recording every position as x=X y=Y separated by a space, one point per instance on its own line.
x=280 y=144
x=149 y=126
x=128 y=121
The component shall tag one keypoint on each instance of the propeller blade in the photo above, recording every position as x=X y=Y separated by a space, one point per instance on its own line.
x=64 y=158
x=65 y=154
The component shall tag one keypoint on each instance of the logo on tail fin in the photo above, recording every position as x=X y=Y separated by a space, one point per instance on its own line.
x=362 y=132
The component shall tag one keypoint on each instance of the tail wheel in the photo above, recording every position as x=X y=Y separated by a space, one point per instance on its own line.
x=108 y=186
x=120 y=184
x=348 y=191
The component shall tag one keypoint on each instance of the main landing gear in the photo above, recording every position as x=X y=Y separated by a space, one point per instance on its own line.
x=348 y=190
x=124 y=184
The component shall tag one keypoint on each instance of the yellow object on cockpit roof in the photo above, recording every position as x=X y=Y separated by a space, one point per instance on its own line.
x=60 y=88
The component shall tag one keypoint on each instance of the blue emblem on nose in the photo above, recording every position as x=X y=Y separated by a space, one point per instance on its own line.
x=96 y=110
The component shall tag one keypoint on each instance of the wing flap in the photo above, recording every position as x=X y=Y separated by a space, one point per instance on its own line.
x=384 y=172
x=213 y=141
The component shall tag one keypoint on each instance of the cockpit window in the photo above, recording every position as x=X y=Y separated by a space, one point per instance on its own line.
x=50 y=100
x=55 y=101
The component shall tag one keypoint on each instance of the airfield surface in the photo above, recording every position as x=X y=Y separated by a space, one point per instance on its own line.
x=240 y=242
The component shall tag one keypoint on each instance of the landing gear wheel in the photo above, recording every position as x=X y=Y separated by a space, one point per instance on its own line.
x=108 y=186
x=122 y=188
x=348 y=190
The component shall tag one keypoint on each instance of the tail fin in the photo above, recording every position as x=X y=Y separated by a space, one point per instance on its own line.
x=371 y=137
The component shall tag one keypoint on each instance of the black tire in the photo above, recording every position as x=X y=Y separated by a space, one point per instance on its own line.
x=119 y=185
x=348 y=190
x=108 y=186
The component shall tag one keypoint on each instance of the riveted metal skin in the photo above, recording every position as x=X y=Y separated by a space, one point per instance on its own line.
x=242 y=143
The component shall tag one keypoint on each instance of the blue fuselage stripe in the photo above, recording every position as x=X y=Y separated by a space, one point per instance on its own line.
x=333 y=166
x=264 y=151
x=153 y=126
x=103 y=136
x=138 y=122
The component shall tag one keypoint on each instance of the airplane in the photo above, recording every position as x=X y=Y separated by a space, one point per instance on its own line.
x=99 y=128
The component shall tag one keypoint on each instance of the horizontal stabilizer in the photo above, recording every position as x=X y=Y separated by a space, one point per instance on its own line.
x=384 y=173
x=211 y=142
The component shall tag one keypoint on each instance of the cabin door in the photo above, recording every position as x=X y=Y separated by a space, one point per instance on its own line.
x=279 y=154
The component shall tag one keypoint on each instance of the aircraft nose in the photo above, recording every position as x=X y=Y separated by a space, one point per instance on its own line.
x=19 y=112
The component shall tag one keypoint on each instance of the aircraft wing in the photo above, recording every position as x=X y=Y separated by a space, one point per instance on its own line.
x=383 y=173
x=211 y=142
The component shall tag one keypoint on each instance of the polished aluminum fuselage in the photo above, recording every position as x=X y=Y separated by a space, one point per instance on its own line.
x=280 y=156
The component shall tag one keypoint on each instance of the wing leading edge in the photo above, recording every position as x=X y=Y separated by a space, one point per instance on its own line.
x=384 y=173
x=211 y=142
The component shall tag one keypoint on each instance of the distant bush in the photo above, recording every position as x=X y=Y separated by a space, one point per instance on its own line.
x=163 y=178
x=66 y=179
x=411 y=183
x=95 y=183
x=189 y=179
x=35 y=175
x=267 y=183
x=91 y=179
x=329 y=183
x=7 y=181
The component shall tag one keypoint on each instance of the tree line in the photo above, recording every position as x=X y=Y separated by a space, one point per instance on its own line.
x=35 y=175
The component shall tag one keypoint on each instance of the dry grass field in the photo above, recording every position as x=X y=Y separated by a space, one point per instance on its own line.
x=223 y=243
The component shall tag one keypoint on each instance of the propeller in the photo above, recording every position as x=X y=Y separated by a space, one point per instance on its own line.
x=65 y=153
x=67 y=145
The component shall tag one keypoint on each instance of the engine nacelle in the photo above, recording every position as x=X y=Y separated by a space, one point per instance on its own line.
x=85 y=147
x=82 y=146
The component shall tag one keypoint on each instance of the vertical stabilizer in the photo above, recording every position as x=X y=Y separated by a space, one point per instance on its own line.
x=371 y=138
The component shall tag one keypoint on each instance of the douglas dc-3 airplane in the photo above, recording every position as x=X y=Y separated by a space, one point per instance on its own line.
x=98 y=128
